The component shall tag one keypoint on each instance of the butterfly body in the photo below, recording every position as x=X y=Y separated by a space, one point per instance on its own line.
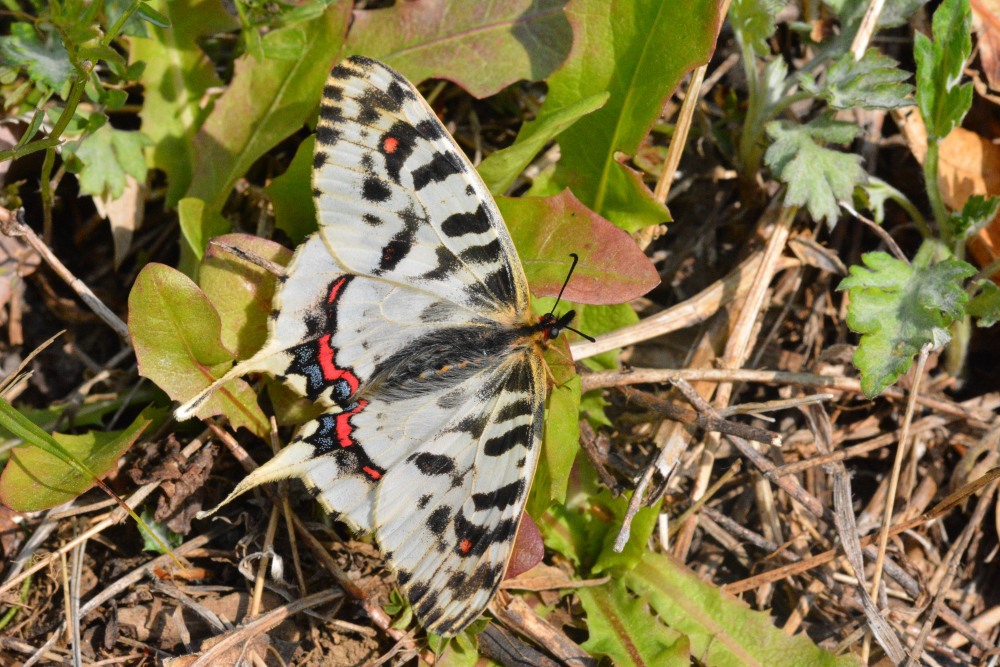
x=407 y=318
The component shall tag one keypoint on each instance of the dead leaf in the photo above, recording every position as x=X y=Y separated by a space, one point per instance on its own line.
x=124 y=214
x=986 y=22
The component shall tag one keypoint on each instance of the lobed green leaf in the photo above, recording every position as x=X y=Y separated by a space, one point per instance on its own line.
x=874 y=82
x=943 y=103
x=817 y=177
x=898 y=308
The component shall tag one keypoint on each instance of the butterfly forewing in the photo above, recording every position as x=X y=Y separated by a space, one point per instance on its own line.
x=407 y=318
x=397 y=200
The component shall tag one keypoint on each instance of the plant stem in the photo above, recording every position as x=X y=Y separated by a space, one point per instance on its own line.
x=934 y=190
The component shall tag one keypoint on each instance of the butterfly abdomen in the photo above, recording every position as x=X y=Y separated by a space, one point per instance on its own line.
x=441 y=359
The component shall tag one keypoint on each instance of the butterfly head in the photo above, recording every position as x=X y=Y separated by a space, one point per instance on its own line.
x=551 y=326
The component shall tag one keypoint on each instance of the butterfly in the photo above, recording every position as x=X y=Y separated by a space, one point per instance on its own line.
x=406 y=317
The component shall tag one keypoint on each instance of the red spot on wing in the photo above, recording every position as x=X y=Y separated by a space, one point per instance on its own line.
x=344 y=429
x=335 y=288
x=326 y=356
x=389 y=145
x=371 y=472
x=465 y=545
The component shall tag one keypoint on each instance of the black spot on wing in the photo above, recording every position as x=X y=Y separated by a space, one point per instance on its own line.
x=432 y=129
x=326 y=135
x=452 y=399
x=437 y=522
x=503 y=443
x=447 y=264
x=433 y=464
x=319 y=159
x=481 y=254
x=333 y=93
x=484 y=577
x=474 y=540
x=393 y=253
x=401 y=243
x=436 y=312
x=374 y=189
x=474 y=425
x=441 y=166
x=396 y=147
x=373 y=103
x=372 y=220
x=331 y=112
x=422 y=501
x=475 y=222
x=469 y=190
x=500 y=498
x=520 y=408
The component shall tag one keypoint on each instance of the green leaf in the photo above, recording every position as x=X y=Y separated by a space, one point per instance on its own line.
x=753 y=21
x=103 y=159
x=240 y=291
x=176 y=78
x=265 y=102
x=561 y=438
x=482 y=46
x=722 y=630
x=942 y=101
x=622 y=628
x=898 y=308
x=977 y=212
x=985 y=305
x=156 y=535
x=873 y=195
x=500 y=169
x=177 y=341
x=620 y=50
x=874 y=82
x=38 y=477
x=198 y=226
x=291 y=195
x=816 y=177
x=44 y=57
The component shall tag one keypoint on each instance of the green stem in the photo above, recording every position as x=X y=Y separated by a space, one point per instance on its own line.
x=934 y=190
x=51 y=141
x=119 y=25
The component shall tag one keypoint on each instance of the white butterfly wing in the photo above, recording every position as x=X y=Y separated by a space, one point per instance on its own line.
x=398 y=201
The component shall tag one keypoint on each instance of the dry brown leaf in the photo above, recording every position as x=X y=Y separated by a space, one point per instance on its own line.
x=124 y=214
x=986 y=22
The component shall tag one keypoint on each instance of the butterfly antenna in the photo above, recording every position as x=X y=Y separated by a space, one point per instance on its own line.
x=576 y=258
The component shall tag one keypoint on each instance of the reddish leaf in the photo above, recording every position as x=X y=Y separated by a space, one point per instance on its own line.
x=528 y=548
x=612 y=269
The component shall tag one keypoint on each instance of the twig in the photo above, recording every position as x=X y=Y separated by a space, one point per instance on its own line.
x=707 y=422
x=897 y=467
x=261 y=625
x=954 y=561
x=13 y=225
x=979 y=419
